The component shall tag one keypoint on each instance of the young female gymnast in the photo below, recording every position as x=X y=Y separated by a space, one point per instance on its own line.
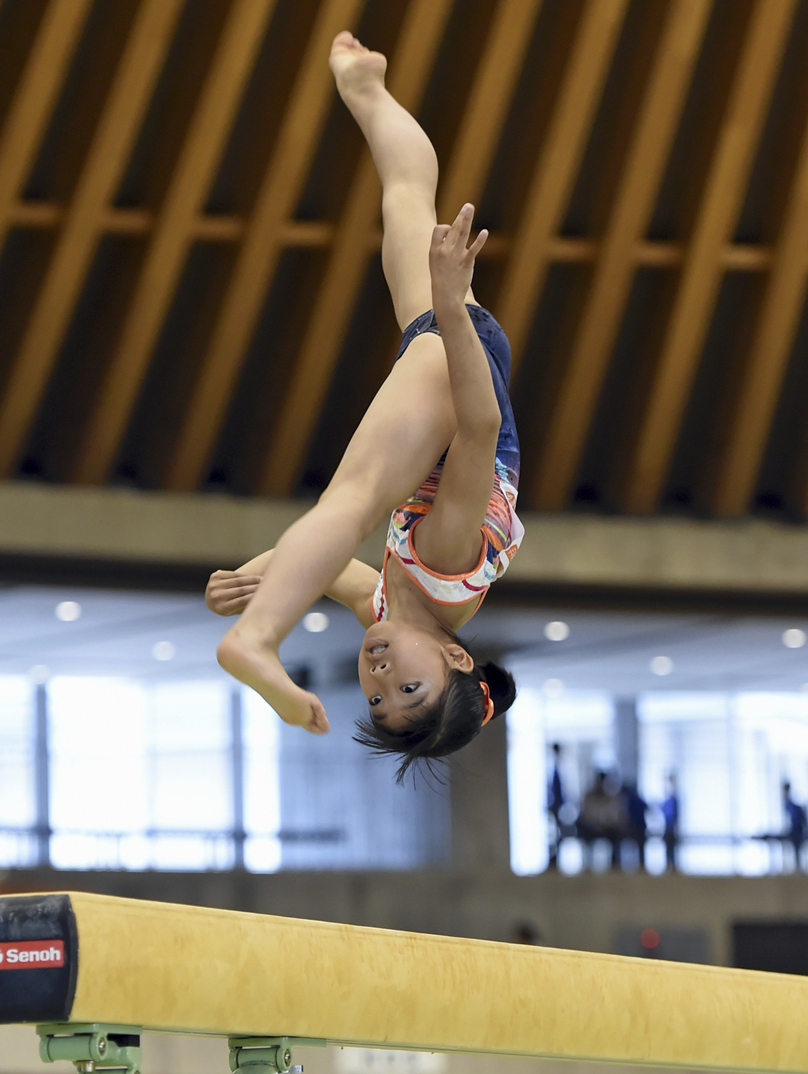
x=448 y=540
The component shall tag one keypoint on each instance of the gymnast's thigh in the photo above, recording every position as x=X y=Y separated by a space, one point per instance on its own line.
x=404 y=432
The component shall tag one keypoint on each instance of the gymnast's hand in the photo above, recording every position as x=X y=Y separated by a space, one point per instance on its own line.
x=451 y=260
x=229 y=593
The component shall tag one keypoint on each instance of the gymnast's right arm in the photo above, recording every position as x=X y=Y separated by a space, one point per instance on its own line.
x=229 y=592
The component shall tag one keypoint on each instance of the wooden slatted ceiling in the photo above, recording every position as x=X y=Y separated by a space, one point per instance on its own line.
x=582 y=208
x=127 y=102
x=511 y=30
x=262 y=248
x=556 y=168
x=701 y=274
x=33 y=102
x=173 y=234
x=765 y=372
x=594 y=343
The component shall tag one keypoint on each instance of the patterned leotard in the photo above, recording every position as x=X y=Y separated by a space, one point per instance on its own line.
x=502 y=531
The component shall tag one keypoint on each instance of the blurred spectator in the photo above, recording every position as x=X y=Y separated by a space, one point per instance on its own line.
x=796 y=818
x=523 y=932
x=636 y=823
x=670 y=812
x=602 y=816
x=555 y=802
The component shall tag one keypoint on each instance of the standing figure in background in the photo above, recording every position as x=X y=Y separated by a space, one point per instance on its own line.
x=555 y=800
x=636 y=823
x=602 y=816
x=796 y=818
x=670 y=813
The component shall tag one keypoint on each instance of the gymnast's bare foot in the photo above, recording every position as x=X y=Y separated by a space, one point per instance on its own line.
x=258 y=666
x=356 y=69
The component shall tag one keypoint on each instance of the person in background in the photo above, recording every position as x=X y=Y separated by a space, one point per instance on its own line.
x=525 y=933
x=796 y=819
x=636 y=823
x=602 y=816
x=670 y=813
x=555 y=800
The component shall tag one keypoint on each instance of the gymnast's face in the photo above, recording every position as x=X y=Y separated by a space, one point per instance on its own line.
x=403 y=671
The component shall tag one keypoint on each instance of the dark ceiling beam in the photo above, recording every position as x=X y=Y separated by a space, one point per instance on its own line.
x=111 y=146
x=410 y=68
x=585 y=370
x=557 y=168
x=175 y=230
x=702 y=272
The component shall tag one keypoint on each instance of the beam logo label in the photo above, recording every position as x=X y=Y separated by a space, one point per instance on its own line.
x=32 y=954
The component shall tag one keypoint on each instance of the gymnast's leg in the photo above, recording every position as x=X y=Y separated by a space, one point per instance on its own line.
x=404 y=431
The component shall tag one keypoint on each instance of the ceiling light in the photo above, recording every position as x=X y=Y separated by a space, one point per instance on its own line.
x=662 y=665
x=68 y=611
x=794 y=638
x=163 y=650
x=39 y=674
x=553 y=687
x=315 y=622
x=556 y=631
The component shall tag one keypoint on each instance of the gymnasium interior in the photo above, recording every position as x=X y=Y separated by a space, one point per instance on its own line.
x=193 y=320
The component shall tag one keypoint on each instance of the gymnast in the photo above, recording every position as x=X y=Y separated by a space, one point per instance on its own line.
x=448 y=540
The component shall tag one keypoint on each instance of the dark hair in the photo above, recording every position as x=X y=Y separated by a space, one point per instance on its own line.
x=448 y=724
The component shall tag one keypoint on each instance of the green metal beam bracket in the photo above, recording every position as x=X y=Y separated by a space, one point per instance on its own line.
x=267 y=1055
x=91 y=1046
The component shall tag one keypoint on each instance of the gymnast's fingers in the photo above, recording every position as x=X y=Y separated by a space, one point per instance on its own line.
x=318 y=725
x=242 y=594
x=462 y=224
x=439 y=234
x=478 y=243
x=229 y=580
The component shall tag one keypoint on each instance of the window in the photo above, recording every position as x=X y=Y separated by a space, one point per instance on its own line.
x=118 y=773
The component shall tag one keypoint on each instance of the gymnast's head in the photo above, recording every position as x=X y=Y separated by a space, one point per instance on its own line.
x=427 y=695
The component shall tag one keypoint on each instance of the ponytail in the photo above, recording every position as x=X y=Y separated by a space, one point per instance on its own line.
x=501 y=686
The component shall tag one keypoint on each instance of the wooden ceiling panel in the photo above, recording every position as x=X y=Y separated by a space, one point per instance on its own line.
x=587 y=365
x=491 y=91
x=52 y=444
x=173 y=234
x=701 y=273
x=40 y=81
x=261 y=249
x=190 y=230
x=138 y=68
x=554 y=175
x=240 y=447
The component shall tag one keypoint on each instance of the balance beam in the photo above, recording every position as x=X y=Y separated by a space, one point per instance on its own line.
x=185 y=969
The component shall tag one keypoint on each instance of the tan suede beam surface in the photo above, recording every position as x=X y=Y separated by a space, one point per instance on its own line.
x=184 y=968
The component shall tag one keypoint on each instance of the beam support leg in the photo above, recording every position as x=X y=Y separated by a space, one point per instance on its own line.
x=267 y=1055
x=91 y=1046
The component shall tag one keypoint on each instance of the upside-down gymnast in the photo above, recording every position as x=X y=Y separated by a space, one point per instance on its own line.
x=448 y=540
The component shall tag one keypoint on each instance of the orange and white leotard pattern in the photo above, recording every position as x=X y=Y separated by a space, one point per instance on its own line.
x=502 y=534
